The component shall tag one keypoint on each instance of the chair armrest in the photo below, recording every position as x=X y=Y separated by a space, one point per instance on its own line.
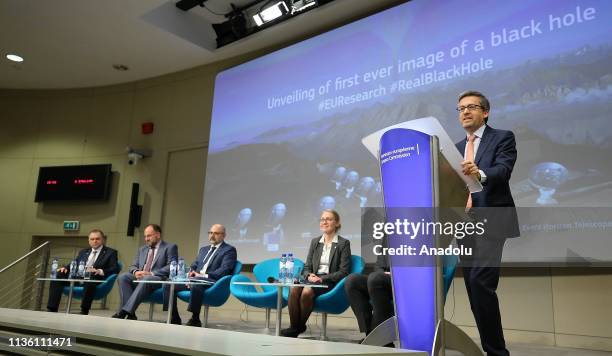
x=237 y=289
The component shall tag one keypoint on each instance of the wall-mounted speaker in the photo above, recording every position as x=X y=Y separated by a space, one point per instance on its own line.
x=135 y=210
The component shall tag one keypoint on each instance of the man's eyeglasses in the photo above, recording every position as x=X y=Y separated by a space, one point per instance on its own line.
x=215 y=233
x=470 y=107
x=326 y=219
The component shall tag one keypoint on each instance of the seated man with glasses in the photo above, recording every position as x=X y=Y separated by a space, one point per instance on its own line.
x=214 y=261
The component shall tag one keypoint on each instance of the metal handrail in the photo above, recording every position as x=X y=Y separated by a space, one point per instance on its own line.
x=24 y=256
x=9 y=287
x=22 y=280
x=10 y=299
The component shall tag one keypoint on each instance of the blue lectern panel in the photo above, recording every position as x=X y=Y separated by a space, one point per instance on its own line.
x=406 y=173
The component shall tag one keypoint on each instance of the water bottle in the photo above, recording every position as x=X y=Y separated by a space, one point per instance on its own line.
x=54 y=266
x=73 y=269
x=173 y=269
x=180 y=273
x=289 y=268
x=282 y=268
x=81 y=272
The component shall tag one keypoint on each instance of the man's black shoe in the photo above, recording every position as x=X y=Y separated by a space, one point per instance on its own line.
x=131 y=316
x=176 y=321
x=51 y=310
x=84 y=312
x=292 y=332
x=121 y=314
x=301 y=329
x=289 y=332
x=194 y=322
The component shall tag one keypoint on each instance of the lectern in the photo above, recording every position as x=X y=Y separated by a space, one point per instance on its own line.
x=420 y=168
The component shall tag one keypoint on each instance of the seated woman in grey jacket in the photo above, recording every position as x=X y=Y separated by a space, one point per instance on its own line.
x=328 y=261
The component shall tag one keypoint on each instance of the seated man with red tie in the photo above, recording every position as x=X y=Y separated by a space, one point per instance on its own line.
x=213 y=262
x=100 y=261
x=152 y=263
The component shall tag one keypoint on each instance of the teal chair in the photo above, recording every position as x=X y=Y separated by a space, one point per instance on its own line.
x=335 y=301
x=448 y=271
x=267 y=297
x=102 y=289
x=157 y=297
x=214 y=296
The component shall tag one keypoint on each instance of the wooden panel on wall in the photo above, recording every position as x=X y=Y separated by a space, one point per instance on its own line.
x=183 y=200
x=582 y=300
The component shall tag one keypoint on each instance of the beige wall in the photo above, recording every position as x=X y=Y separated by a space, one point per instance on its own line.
x=88 y=126
x=568 y=307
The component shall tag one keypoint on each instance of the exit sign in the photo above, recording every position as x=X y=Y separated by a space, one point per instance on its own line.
x=71 y=225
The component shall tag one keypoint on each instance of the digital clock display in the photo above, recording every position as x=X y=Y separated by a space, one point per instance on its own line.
x=86 y=182
x=81 y=181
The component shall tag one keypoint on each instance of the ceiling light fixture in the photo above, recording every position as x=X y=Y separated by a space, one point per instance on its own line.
x=233 y=29
x=14 y=58
x=254 y=16
x=270 y=13
x=302 y=5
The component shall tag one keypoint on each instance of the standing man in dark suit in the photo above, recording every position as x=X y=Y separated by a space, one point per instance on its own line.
x=489 y=155
x=213 y=262
x=101 y=262
x=152 y=262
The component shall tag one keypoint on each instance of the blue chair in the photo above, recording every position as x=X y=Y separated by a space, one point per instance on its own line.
x=102 y=289
x=216 y=295
x=448 y=271
x=335 y=301
x=267 y=297
x=157 y=297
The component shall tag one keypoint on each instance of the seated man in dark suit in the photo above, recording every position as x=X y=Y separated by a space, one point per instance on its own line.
x=100 y=261
x=213 y=262
x=152 y=262
x=370 y=296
